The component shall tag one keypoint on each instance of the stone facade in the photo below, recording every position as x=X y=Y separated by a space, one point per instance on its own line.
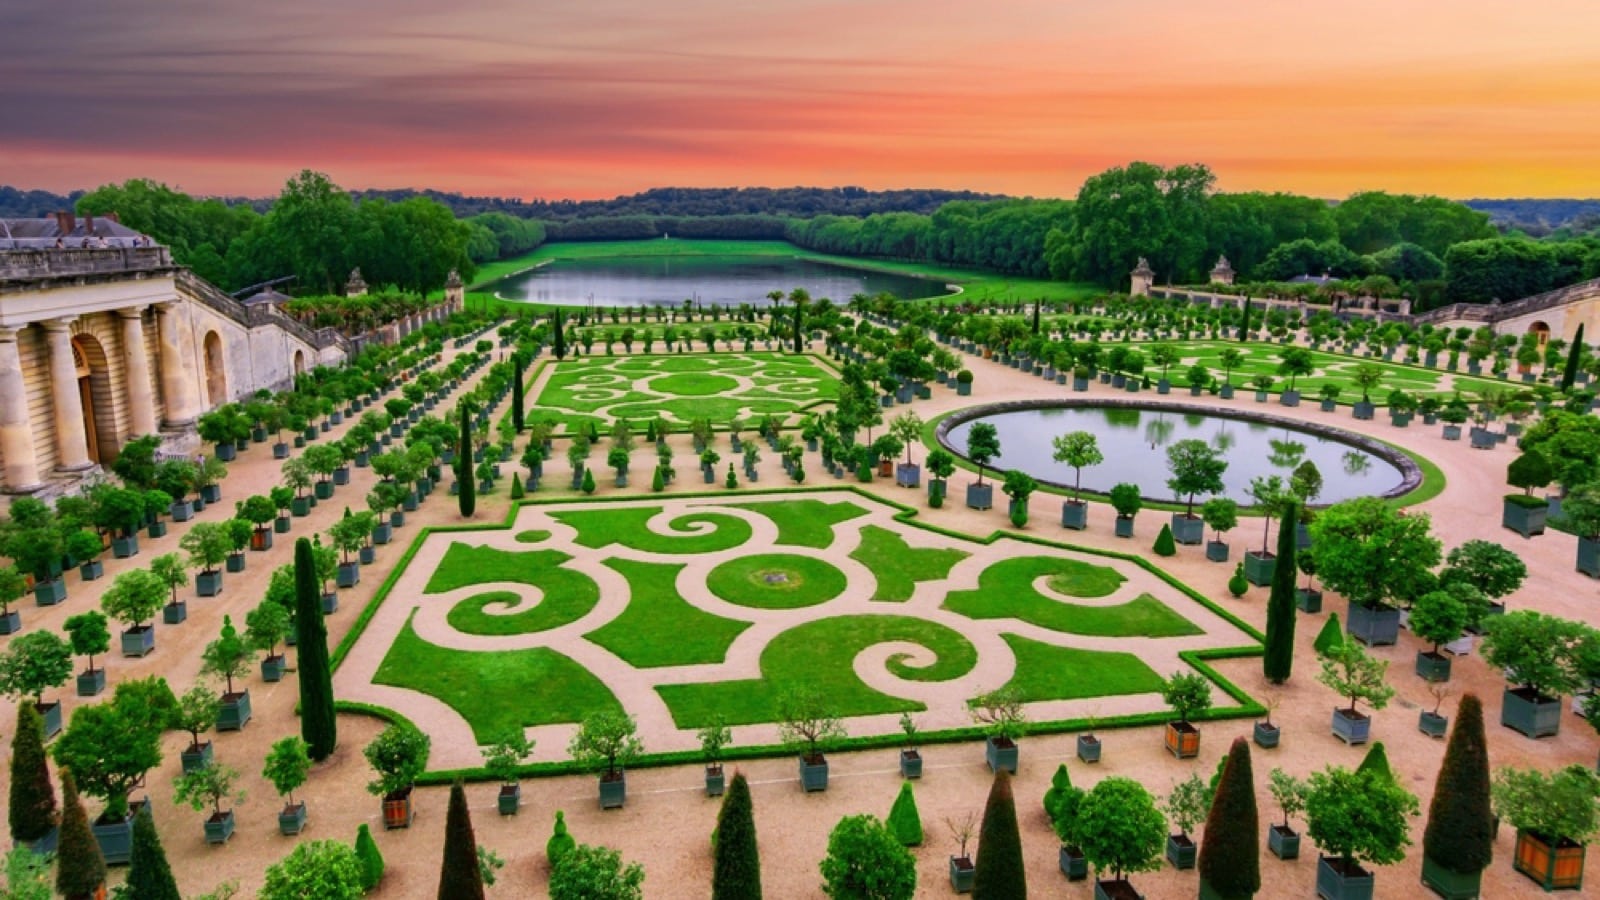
x=100 y=345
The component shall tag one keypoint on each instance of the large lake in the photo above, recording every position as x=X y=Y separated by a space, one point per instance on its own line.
x=725 y=280
x=1135 y=441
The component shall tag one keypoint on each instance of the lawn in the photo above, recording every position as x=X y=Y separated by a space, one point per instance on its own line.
x=659 y=628
x=1047 y=672
x=697 y=532
x=568 y=595
x=806 y=523
x=600 y=390
x=897 y=566
x=1006 y=591
x=536 y=686
x=776 y=581
x=1331 y=368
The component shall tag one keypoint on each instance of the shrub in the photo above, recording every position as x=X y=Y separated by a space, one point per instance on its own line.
x=370 y=860
x=736 y=871
x=80 y=869
x=318 y=722
x=866 y=862
x=32 y=808
x=1230 y=862
x=459 y=876
x=904 y=821
x=1277 y=662
x=1119 y=827
x=1000 y=873
x=1459 y=835
x=327 y=870
x=149 y=875
x=595 y=873
x=560 y=842
x=1359 y=816
x=1165 y=545
x=1237 y=583
x=1330 y=637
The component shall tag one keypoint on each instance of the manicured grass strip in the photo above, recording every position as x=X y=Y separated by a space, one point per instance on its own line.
x=659 y=627
x=1144 y=616
x=603 y=527
x=806 y=523
x=533 y=536
x=776 y=581
x=820 y=654
x=568 y=594
x=536 y=686
x=1015 y=576
x=1047 y=672
x=693 y=385
x=898 y=566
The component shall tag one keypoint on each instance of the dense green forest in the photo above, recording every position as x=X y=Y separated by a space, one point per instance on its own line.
x=1431 y=249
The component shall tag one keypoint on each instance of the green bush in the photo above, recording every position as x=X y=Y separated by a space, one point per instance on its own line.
x=327 y=870
x=459 y=875
x=370 y=860
x=904 y=821
x=1237 y=584
x=736 y=870
x=560 y=843
x=149 y=875
x=1460 y=834
x=1000 y=873
x=1330 y=637
x=1229 y=861
x=866 y=862
x=595 y=873
x=1165 y=545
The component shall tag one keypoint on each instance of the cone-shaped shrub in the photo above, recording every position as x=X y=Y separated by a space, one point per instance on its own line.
x=736 y=872
x=33 y=797
x=517 y=493
x=1376 y=760
x=149 y=875
x=658 y=482
x=516 y=393
x=1330 y=637
x=999 y=875
x=80 y=869
x=467 y=492
x=904 y=821
x=1230 y=863
x=1459 y=836
x=317 y=723
x=560 y=843
x=588 y=481
x=459 y=876
x=1238 y=584
x=558 y=344
x=370 y=859
x=1278 y=661
x=1060 y=787
x=1165 y=545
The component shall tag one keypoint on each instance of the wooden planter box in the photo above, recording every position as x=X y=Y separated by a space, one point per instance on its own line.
x=1308 y=600
x=1553 y=866
x=281 y=525
x=1432 y=724
x=1124 y=526
x=1284 y=842
x=1338 y=881
x=174 y=613
x=1074 y=515
x=908 y=475
x=51 y=592
x=1217 y=551
x=1532 y=714
x=1118 y=889
x=1372 y=625
x=1187 y=530
x=330 y=604
x=1073 y=863
x=124 y=547
x=219 y=827
x=1181 y=851
x=1449 y=884
x=91 y=683
x=910 y=763
x=614 y=790
x=348 y=575
x=1258 y=567
x=115 y=838
x=962 y=873
x=1524 y=520
x=716 y=781
x=1351 y=728
x=233 y=711
x=1589 y=557
x=397 y=812
x=234 y=562
x=195 y=758
x=814 y=775
x=1266 y=736
x=156 y=529
x=1001 y=753
x=1433 y=666
x=272 y=668
x=139 y=640
x=980 y=496
x=1088 y=748
x=10 y=622
x=208 y=584
x=509 y=799
x=1183 y=740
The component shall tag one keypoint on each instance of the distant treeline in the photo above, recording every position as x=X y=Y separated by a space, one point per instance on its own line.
x=1538 y=218
x=792 y=202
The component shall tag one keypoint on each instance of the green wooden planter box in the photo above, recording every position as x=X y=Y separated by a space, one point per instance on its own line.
x=1533 y=715
x=1073 y=864
x=272 y=668
x=509 y=799
x=234 y=562
x=962 y=874
x=1258 y=568
x=115 y=839
x=1589 y=557
x=814 y=775
x=292 y=819
x=174 y=613
x=195 y=758
x=1432 y=724
x=281 y=525
x=1524 y=520
x=1284 y=843
x=614 y=792
x=1181 y=851
x=1432 y=666
x=1118 y=889
x=1334 y=883
x=1352 y=729
x=1449 y=884
x=1372 y=625
x=1001 y=753
x=139 y=641
x=1074 y=515
x=1217 y=551
x=219 y=827
x=51 y=592
x=1124 y=526
x=90 y=684
x=1088 y=747
x=716 y=781
x=208 y=584
x=234 y=711
x=1308 y=600
x=980 y=496
x=1187 y=530
x=1266 y=736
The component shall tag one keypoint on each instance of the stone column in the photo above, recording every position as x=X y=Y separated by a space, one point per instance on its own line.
x=141 y=403
x=16 y=426
x=176 y=382
x=72 y=446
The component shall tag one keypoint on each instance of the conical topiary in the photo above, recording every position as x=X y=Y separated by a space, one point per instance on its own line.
x=149 y=875
x=587 y=485
x=517 y=493
x=1000 y=874
x=1331 y=637
x=80 y=869
x=1060 y=786
x=658 y=482
x=369 y=857
x=467 y=490
x=33 y=797
x=1460 y=835
x=318 y=724
x=459 y=876
x=1237 y=585
x=904 y=821
x=1277 y=663
x=560 y=843
x=1165 y=545
x=1376 y=760
x=736 y=871
x=1230 y=864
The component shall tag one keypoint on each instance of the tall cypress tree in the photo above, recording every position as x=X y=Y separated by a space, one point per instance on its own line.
x=1278 y=661
x=1570 y=373
x=1244 y=328
x=516 y=392
x=1036 y=305
x=149 y=875
x=1000 y=874
x=80 y=869
x=459 y=876
x=317 y=721
x=799 y=324
x=736 y=871
x=467 y=488
x=558 y=343
x=33 y=797
x=1230 y=863
x=1459 y=836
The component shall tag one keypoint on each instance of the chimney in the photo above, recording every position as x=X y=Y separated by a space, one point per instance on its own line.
x=65 y=222
x=88 y=224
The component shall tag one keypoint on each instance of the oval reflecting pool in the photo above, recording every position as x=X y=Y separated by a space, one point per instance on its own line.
x=723 y=280
x=1134 y=442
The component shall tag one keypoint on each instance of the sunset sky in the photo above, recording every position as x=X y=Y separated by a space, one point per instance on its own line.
x=594 y=98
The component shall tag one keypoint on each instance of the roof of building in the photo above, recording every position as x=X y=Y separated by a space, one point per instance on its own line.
x=40 y=233
x=266 y=295
x=1311 y=279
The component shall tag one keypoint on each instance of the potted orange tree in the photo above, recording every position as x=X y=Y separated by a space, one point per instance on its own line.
x=399 y=754
x=501 y=760
x=807 y=727
x=1001 y=714
x=607 y=741
x=1187 y=694
x=287 y=765
x=1555 y=816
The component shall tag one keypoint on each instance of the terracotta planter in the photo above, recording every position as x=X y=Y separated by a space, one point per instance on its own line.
x=1553 y=865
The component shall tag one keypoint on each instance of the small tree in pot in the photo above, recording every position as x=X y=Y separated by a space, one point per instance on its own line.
x=228 y=657
x=1350 y=672
x=501 y=761
x=606 y=742
x=1187 y=694
x=1438 y=618
x=1356 y=817
x=288 y=763
x=207 y=544
x=196 y=712
x=1289 y=793
x=1542 y=654
x=31 y=665
x=1127 y=501
x=807 y=726
x=399 y=754
x=1076 y=449
x=211 y=785
x=713 y=738
x=962 y=870
x=1001 y=714
x=1196 y=468
x=1222 y=514
x=983 y=445
x=133 y=597
x=1555 y=815
x=89 y=635
x=1121 y=830
x=266 y=627
x=1185 y=807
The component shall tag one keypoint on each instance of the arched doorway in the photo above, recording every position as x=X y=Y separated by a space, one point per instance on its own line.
x=216 y=371
x=99 y=403
x=299 y=362
x=1542 y=330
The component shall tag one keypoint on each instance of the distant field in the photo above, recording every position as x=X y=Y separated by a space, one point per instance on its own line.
x=975 y=285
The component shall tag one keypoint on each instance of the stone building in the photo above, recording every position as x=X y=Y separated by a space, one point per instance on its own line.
x=104 y=339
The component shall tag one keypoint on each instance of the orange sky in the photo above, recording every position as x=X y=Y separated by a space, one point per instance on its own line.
x=531 y=98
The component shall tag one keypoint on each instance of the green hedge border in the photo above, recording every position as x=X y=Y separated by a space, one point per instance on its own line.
x=1198 y=659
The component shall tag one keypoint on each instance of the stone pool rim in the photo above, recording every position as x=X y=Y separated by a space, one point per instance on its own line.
x=1410 y=472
